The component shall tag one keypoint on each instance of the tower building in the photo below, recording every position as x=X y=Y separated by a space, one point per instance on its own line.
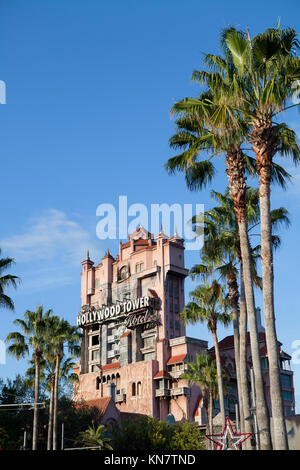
x=134 y=345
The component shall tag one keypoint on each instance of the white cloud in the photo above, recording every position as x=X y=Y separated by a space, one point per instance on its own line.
x=51 y=235
x=48 y=252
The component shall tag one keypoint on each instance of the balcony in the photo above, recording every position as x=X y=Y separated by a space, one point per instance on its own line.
x=120 y=397
x=179 y=391
x=162 y=392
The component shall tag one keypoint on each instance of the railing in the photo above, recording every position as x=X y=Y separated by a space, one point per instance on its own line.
x=162 y=392
x=179 y=391
x=120 y=397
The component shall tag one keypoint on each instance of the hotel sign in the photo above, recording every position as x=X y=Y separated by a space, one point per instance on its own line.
x=136 y=312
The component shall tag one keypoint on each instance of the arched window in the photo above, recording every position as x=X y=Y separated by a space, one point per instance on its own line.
x=133 y=391
x=98 y=381
x=139 y=388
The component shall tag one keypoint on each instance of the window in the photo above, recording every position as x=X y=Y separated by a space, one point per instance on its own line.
x=95 y=355
x=288 y=396
x=265 y=363
x=175 y=292
x=133 y=391
x=139 y=267
x=170 y=290
x=155 y=263
x=176 y=309
x=161 y=384
x=95 y=340
x=139 y=388
x=286 y=381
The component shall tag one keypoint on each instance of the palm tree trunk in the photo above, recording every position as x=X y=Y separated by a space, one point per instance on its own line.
x=206 y=405
x=36 y=400
x=279 y=426
x=55 y=402
x=220 y=379
x=243 y=364
x=210 y=418
x=50 y=423
x=261 y=408
x=237 y=185
x=234 y=299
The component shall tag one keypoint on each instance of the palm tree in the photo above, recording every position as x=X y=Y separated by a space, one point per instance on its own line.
x=47 y=379
x=7 y=280
x=209 y=305
x=205 y=126
x=63 y=334
x=266 y=68
x=35 y=337
x=221 y=252
x=204 y=373
x=95 y=437
x=213 y=125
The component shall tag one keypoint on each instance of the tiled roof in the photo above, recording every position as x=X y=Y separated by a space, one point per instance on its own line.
x=127 y=333
x=176 y=359
x=100 y=403
x=285 y=354
x=153 y=293
x=141 y=241
x=162 y=374
x=126 y=245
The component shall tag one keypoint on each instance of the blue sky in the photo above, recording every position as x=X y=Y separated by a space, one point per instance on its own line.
x=89 y=89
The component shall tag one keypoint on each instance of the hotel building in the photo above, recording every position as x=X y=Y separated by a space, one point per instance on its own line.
x=134 y=345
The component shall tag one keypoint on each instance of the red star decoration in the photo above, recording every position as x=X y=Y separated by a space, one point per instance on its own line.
x=228 y=440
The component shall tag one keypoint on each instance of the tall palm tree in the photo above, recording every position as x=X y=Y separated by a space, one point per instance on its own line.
x=204 y=373
x=221 y=252
x=35 y=337
x=266 y=67
x=63 y=335
x=47 y=379
x=6 y=280
x=209 y=124
x=210 y=305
